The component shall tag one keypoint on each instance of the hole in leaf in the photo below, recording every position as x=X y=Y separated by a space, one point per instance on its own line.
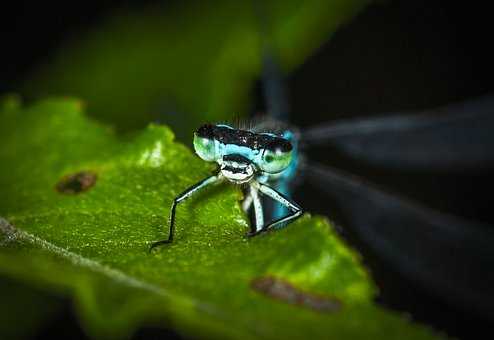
x=76 y=183
x=286 y=292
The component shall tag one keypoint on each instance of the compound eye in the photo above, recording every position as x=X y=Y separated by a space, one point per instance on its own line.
x=205 y=148
x=274 y=161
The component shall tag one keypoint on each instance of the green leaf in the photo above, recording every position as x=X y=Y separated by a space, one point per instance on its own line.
x=83 y=205
x=184 y=64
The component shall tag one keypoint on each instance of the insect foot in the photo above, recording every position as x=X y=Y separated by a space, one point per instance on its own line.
x=158 y=243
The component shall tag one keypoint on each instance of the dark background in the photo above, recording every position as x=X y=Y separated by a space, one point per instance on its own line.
x=393 y=57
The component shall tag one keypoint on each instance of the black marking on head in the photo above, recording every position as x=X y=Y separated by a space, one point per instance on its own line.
x=278 y=144
x=236 y=158
x=236 y=170
x=255 y=141
x=206 y=131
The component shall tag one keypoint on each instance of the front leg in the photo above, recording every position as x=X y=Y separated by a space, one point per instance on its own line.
x=246 y=204
x=258 y=211
x=296 y=210
x=180 y=198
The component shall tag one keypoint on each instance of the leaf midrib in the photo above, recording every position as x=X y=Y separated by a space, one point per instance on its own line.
x=116 y=275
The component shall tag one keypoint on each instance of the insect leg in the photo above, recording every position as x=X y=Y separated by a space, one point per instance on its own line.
x=280 y=210
x=258 y=211
x=296 y=210
x=183 y=196
x=247 y=203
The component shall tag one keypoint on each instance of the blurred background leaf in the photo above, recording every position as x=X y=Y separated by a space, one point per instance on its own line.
x=25 y=310
x=185 y=63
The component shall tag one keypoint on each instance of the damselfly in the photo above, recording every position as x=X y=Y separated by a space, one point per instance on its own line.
x=254 y=158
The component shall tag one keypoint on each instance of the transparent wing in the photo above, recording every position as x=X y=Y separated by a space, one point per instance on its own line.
x=453 y=137
x=451 y=256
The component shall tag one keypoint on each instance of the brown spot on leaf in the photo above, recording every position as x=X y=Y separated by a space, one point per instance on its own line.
x=284 y=291
x=76 y=183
